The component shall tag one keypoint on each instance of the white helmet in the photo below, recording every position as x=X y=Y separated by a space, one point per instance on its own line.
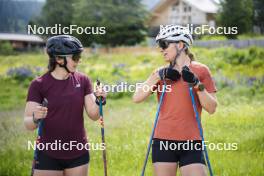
x=175 y=33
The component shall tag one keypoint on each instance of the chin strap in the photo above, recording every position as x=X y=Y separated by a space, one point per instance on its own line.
x=179 y=51
x=65 y=64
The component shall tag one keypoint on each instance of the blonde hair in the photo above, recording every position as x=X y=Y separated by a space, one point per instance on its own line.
x=189 y=54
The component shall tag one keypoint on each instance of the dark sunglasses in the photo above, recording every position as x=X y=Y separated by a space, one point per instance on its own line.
x=76 y=57
x=164 y=44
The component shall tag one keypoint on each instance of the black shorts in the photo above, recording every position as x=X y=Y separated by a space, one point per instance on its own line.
x=45 y=162
x=167 y=151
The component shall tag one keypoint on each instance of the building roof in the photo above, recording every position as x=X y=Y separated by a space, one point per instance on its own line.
x=207 y=6
x=21 y=37
x=149 y=3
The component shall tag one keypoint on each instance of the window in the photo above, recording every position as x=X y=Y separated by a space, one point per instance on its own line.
x=189 y=19
x=174 y=19
x=175 y=8
x=187 y=8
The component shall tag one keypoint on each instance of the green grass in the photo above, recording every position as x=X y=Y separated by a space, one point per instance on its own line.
x=226 y=64
x=13 y=94
x=136 y=66
x=128 y=127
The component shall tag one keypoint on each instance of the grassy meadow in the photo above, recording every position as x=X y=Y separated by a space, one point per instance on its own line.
x=239 y=75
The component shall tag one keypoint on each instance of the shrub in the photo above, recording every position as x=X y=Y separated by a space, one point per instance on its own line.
x=6 y=48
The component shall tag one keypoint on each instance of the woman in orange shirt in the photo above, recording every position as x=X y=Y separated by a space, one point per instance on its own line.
x=177 y=142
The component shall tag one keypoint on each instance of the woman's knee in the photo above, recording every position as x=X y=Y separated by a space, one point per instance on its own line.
x=165 y=169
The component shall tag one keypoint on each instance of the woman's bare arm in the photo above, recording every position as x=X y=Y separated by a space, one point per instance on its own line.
x=140 y=94
x=39 y=113
x=208 y=101
x=92 y=109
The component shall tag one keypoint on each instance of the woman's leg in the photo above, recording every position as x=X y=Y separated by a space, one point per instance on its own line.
x=47 y=173
x=165 y=169
x=193 y=170
x=78 y=166
x=47 y=166
x=192 y=163
x=164 y=160
x=79 y=170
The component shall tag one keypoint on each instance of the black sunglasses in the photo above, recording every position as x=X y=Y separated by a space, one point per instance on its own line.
x=163 y=44
x=76 y=57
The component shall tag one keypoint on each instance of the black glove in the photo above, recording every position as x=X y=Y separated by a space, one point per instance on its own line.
x=169 y=73
x=189 y=77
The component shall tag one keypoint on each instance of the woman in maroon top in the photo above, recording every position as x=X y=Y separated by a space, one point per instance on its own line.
x=64 y=147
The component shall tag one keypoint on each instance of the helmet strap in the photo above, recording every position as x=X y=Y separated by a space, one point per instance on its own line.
x=64 y=65
x=179 y=51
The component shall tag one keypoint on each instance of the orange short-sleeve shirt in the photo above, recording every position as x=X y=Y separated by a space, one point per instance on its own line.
x=177 y=118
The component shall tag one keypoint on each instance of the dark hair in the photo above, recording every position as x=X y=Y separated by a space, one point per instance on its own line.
x=189 y=54
x=52 y=63
x=52 y=60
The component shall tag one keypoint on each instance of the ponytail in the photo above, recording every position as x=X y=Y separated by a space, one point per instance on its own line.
x=52 y=63
x=189 y=54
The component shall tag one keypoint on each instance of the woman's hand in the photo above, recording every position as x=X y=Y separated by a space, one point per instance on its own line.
x=154 y=78
x=141 y=94
x=40 y=113
x=92 y=102
x=189 y=77
x=99 y=91
x=169 y=73
x=100 y=94
x=33 y=113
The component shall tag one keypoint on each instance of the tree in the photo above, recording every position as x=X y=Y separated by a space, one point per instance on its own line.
x=56 y=12
x=237 y=13
x=15 y=15
x=123 y=21
x=259 y=14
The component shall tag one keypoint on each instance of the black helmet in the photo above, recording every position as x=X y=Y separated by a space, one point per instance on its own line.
x=63 y=45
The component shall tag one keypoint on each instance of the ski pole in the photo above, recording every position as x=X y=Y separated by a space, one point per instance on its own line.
x=153 y=130
x=200 y=130
x=40 y=127
x=102 y=131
